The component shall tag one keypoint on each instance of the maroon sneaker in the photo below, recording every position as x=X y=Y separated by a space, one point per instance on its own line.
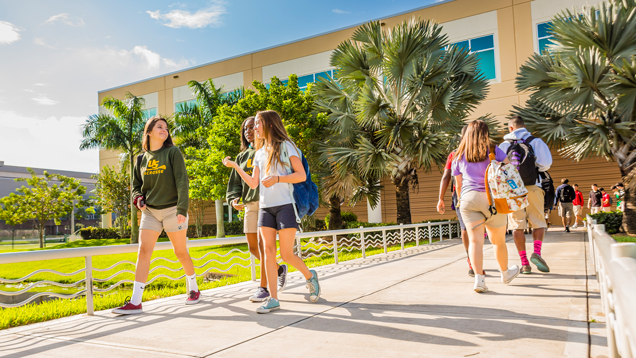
x=128 y=308
x=193 y=298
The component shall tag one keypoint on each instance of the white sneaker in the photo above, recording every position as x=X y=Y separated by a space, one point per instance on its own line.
x=480 y=284
x=575 y=225
x=510 y=274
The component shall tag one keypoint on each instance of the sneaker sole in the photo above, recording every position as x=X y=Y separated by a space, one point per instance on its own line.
x=471 y=273
x=540 y=265
x=193 y=302
x=256 y=299
x=526 y=272
x=127 y=312
x=281 y=288
x=261 y=311
x=481 y=290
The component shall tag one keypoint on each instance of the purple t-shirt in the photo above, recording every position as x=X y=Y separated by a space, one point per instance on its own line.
x=473 y=173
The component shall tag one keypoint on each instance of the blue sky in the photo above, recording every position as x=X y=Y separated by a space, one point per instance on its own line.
x=55 y=56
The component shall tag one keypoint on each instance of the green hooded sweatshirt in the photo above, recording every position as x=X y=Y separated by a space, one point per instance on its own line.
x=236 y=186
x=162 y=178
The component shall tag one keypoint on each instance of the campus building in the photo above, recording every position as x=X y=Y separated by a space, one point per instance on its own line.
x=504 y=33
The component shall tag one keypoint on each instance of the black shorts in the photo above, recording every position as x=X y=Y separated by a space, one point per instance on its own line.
x=278 y=217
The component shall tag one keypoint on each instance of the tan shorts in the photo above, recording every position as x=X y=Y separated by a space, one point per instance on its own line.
x=250 y=221
x=161 y=219
x=595 y=210
x=565 y=210
x=533 y=213
x=578 y=210
x=474 y=209
x=607 y=209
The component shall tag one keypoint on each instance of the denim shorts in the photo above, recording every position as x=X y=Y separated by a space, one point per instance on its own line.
x=278 y=217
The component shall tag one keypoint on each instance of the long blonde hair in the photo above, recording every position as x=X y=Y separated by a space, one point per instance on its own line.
x=274 y=134
x=475 y=143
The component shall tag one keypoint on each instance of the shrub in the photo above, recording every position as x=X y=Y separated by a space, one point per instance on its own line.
x=92 y=233
x=612 y=220
x=347 y=216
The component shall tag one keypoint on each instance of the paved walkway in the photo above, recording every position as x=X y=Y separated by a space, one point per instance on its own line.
x=410 y=304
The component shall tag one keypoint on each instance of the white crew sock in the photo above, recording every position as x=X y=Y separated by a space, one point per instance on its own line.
x=138 y=292
x=192 y=282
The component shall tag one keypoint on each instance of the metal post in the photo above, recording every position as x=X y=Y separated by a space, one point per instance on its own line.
x=402 y=236
x=335 y=248
x=417 y=236
x=89 y=286
x=430 y=233
x=441 y=238
x=384 y=240
x=450 y=230
x=364 y=252
x=252 y=267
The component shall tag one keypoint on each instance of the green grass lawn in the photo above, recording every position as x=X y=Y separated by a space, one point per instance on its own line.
x=620 y=238
x=162 y=287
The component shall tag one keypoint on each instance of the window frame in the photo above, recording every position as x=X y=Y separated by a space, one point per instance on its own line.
x=495 y=43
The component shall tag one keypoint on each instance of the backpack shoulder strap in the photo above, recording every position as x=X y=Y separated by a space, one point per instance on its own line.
x=492 y=156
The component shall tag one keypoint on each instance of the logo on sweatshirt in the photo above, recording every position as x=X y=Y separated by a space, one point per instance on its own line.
x=154 y=168
x=249 y=167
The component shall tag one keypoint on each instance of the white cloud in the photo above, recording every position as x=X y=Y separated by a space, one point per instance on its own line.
x=43 y=100
x=39 y=41
x=39 y=84
x=210 y=16
x=51 y=143
x=65 y=19
x=153 y=58
x=338 y=11
x=8 y=33
x=29 y=90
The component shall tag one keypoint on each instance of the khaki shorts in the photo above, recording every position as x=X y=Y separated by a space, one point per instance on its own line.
x=161 y=219
x=595 y=210
x=607 y=209
x=578 y=210
x=474 y=209
x=250 y=220
x=565 y=210
x=533 y=213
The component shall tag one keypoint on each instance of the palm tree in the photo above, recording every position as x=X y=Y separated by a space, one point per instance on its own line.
x=120 y=131
x=583 y=90
x=191 y=125
x=409 y=92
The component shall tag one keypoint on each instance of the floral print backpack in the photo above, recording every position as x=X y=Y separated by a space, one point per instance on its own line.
x=504 y=187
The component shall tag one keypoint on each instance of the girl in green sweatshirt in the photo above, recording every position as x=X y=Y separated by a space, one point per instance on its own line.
x=237 y=189
x=160 y=191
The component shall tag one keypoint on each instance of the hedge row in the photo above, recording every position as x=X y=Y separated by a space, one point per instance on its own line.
x=612 y=220
x=92 y=233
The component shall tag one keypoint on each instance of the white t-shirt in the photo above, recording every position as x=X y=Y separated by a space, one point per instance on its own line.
x=279 y=193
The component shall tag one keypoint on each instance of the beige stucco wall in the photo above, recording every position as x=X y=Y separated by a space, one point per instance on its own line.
x=512 y=23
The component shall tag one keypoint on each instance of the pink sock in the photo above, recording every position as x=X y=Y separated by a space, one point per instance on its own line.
x=537 y=247
x=524 y=258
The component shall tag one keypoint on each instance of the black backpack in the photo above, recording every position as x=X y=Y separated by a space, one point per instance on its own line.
x=521 y=155
x=548 y=190
x=567 y=194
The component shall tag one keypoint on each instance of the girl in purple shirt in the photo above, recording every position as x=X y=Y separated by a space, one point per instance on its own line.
x=469 y=168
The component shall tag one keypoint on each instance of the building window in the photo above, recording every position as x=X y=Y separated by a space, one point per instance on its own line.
x=181 y=104
x=544 y=35
x=484 y=47
x=149 y=113
x=304 y=81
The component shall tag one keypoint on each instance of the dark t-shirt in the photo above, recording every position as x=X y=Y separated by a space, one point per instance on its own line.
x=595 y=198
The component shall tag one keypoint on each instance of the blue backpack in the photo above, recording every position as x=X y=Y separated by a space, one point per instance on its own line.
x=304 y=194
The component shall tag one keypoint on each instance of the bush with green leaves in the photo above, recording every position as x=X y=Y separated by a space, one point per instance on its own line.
x=96 y=233
x=612 y=220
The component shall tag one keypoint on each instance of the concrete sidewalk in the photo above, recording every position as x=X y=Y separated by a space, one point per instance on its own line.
x=407 y=304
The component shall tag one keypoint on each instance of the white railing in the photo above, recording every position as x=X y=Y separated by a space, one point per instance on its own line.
x=615 y=265
x=334 y=243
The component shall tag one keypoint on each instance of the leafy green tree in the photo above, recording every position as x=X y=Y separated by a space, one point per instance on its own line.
x=191 y=126
x=583 y=90
x=112 y=193
x=45 y=198
x=120 y=131
x=410 y=93
x=207 y=172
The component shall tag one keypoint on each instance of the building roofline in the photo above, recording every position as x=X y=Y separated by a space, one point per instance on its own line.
x=436 y=3
x=40 y=171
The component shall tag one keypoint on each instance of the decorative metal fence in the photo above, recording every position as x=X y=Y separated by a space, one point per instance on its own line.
x=615 y=265
x=339 y=245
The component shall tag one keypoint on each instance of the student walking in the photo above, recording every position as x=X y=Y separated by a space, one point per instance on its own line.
x=619 y=194
x=441 y=206
x=594 y=204
x=160 y=191
x=237 y=190
x=565 y=195
x=531 y=156
x=606 y=201
x=469 y=168
x=577 y=205
x=276 y=210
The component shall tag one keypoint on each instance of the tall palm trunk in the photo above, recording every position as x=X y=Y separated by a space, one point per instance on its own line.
x=629 y=214
x=220 y=225
x=134 y=226
x=335 y=213
x=403 y=201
